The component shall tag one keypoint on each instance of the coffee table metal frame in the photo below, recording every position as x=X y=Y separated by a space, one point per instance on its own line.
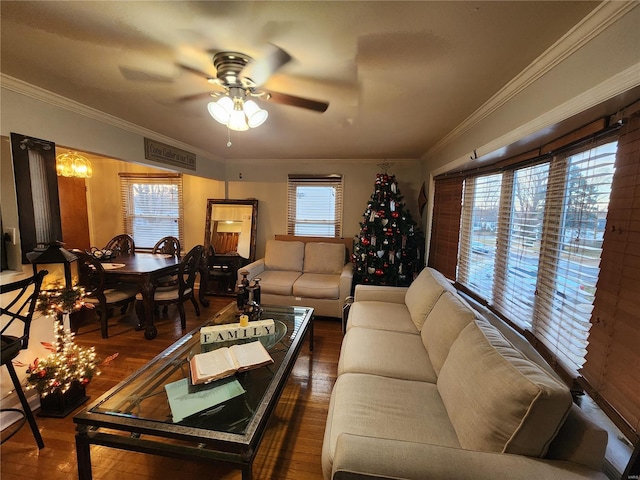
x=121 y=428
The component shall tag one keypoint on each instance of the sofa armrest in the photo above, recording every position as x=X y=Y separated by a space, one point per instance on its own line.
x=379 y=293
x=254 y=269
x=346 y=279
x=367 y=457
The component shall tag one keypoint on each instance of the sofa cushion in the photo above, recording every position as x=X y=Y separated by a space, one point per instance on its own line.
x=382 y=407
x=497 y=400
x=284 y=255
x=278 y=282
x=442 y=326
x=381 y=316
x=324 y=257
x=385 y=353
x=317 y=285
x=423 y=293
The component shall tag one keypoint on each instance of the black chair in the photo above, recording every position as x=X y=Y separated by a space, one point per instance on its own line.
x=103 y=296
x=20 y=308
x=181 y=292
x=122 y=244
x=223 y=270
x=168 y=246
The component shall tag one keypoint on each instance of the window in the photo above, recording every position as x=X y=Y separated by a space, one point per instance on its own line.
x=152 y=207
x=315 y=205
x=530 y=244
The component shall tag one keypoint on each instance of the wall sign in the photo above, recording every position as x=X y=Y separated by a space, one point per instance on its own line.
x=163 y=153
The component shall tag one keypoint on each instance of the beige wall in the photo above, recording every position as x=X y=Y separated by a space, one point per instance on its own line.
x=265 y=181
x=105 y=209
x=9 y=202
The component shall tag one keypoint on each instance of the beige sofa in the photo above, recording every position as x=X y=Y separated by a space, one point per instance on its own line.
x=305 y=271
x=429 y=389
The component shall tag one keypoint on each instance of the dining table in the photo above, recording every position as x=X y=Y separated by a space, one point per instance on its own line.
x=144 y=269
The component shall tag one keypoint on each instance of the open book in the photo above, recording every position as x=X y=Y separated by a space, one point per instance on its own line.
x=225 y=361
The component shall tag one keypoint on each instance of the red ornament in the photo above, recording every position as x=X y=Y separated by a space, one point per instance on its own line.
x=395 y=214
x=379 y=272
x=381 y=213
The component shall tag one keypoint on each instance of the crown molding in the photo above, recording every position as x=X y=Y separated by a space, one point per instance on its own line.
x=42 y=95
x=619 y=83
x=598 y=20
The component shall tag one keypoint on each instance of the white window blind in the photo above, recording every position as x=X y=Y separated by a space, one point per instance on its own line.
x=152 y=207
x=530 y=244
x=579 y=192
x=315 y=205
x=520 y=231
x=478 y=233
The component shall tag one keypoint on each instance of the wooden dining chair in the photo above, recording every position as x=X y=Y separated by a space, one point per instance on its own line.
x=222 y=271
x=19 y=308
x=122 y=244
x=181 y=292
x=104 y=297
x=168 y=246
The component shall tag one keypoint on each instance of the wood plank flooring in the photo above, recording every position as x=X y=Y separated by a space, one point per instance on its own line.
x=290 y=449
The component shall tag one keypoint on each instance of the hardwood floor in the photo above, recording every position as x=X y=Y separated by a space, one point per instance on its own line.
x=290 y=449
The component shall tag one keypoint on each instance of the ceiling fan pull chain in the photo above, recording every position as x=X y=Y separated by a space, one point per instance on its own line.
x=229 y=137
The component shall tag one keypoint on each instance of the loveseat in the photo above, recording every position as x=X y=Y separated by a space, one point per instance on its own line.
x=428 y=388
x=305 y=271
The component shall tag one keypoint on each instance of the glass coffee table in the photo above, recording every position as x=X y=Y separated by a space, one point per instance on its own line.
x=135 y=415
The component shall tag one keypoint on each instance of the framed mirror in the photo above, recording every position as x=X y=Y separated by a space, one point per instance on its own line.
x=230 y=228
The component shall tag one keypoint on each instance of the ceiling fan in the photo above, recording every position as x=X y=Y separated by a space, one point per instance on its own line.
x=241 y=77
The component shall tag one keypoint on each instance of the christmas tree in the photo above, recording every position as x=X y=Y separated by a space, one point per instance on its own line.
x=388 y=250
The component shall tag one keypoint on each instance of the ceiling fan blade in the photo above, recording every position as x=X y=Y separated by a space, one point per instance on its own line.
x=284 y=99
x=136 y=75
x=198 y=96
x=258 y=71
x=195 y=71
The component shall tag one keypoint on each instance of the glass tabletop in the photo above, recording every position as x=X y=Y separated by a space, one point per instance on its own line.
x=143 y=396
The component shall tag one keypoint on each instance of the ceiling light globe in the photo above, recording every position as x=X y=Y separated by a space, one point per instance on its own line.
x=221 y=109
x=237 y=121
x=255 y=114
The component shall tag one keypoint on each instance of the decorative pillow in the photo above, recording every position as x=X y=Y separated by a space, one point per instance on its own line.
x=283 y=255
x=496 y=399
x=423 y=293
x=324 y=257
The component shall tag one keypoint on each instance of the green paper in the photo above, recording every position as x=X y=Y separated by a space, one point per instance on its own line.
x=184 y=404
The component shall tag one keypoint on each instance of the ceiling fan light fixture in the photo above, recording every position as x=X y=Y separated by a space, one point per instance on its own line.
x=255 y=114
x=221 y=110
x=237 y=121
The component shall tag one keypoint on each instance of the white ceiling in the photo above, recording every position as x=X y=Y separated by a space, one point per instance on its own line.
x=398 y=75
